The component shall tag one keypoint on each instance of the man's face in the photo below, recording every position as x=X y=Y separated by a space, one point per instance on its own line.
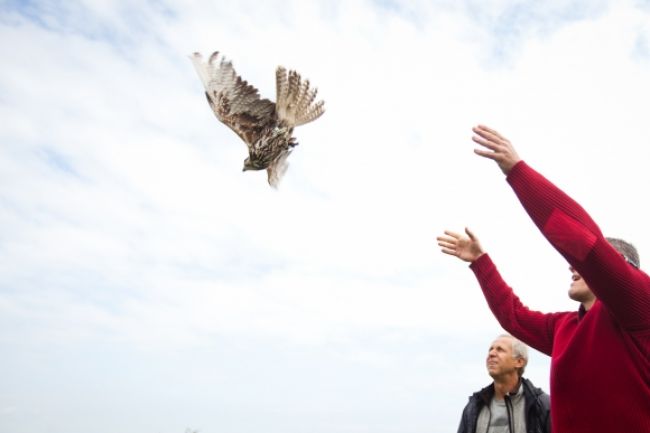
x=500 y=361
x=579 y=291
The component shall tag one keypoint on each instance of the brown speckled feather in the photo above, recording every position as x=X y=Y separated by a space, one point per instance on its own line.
x=265 y=127
x=235 y=102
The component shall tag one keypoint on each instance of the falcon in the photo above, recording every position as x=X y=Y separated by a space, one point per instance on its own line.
x=265 y=127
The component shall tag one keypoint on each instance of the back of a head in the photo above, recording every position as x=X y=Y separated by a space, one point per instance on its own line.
x=627 y=250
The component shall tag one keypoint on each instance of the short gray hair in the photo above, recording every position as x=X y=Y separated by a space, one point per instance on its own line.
x=519 y=350
x=627 y=250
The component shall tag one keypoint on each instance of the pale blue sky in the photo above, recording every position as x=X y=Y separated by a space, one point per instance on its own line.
x=148 y=285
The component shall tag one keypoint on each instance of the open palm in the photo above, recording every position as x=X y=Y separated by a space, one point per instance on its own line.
x=466 y=248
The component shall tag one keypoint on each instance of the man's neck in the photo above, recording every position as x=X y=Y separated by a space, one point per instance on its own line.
x=588 y=304
x=503 y=386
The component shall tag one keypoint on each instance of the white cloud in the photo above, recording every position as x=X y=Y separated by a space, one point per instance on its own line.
x=127 y=219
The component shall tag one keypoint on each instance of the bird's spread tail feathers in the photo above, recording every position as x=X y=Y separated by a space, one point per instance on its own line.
x=276 y=171
x=295 y=99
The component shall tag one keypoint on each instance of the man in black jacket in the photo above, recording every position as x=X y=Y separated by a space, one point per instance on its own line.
x=511 y=404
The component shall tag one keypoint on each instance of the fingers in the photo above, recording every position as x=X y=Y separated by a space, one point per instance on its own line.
x=457 y=245
x=449 y=237
x=491 y=145
x=450 y=252
x=497 y=148
x=470 y=233
x=486 y=153
x=488 y=139
x=444 y=246
x=449 y=247
x=453 y=234
x=449 y=242
x=486 y=131
x=491 y=142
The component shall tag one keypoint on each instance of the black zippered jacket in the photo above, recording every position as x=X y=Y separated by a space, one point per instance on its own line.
x=537 y=409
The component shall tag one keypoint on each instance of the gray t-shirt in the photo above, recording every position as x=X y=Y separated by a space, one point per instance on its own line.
x=499 y=417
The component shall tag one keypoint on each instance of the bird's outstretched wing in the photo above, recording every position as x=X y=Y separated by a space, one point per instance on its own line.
x=295 y=99
x=235 y=102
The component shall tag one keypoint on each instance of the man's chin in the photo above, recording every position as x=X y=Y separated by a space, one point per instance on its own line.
x=575 y=296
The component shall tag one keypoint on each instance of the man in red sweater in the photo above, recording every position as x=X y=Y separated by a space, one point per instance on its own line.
x=600 y=354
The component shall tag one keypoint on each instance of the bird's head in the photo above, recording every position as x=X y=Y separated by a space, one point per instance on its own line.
x=250 y=164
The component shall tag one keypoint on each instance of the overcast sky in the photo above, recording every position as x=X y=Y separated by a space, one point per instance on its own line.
x=148 y=285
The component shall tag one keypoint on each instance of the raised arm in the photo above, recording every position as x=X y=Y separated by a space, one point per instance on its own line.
x=624 y=289
x=532 y=327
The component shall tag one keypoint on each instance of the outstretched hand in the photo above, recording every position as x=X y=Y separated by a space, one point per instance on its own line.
x=499 y=148
x=466 y=248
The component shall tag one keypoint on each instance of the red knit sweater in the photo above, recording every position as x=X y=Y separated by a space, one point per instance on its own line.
x=600 y=360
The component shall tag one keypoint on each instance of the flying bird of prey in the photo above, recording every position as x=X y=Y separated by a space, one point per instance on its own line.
x=265 y=127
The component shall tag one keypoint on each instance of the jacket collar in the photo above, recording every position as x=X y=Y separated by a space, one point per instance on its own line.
x=484 y=396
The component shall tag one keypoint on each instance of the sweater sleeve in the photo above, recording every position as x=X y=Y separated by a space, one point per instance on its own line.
x=623 y=289
x=532 y=327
